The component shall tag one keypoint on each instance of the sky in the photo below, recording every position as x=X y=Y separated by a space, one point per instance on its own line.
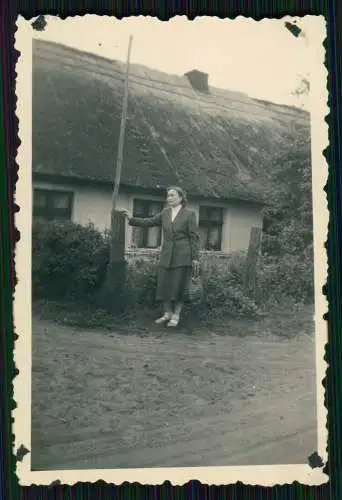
x=260 y=58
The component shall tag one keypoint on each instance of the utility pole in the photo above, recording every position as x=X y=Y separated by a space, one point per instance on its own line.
x=122 y=130
x=115 y=279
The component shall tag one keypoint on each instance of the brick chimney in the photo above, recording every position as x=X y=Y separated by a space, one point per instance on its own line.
x=198 y=80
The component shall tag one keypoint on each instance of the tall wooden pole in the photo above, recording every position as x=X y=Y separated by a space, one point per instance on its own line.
x=252 y=261
x=112 y=291
x=122 y=130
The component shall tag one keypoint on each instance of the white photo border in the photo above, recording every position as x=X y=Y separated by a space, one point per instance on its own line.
x=252 y=475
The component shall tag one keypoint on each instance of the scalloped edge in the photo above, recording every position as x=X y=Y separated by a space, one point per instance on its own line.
x=247 y=475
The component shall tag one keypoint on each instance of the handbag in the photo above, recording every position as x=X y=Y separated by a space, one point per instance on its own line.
x=195 y=290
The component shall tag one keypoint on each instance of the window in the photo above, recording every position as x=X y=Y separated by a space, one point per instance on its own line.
x=52 y=205
x=210 y=225
x=146 y=237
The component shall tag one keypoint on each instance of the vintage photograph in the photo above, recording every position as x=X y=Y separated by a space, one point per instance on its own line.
x=170 y=177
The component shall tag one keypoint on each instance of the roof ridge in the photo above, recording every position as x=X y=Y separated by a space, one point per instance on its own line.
x=244 y=99
x=207 y=102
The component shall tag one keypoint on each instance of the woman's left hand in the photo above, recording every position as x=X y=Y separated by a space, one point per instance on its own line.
x=195 y=267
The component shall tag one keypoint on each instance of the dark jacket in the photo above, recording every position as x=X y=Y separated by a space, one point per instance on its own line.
x=180 y=238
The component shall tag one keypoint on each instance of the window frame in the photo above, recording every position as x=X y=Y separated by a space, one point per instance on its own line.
x=209 y=223
x=145 y=230
x=49 y=212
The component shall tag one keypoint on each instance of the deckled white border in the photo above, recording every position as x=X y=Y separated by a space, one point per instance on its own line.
x=260 y=475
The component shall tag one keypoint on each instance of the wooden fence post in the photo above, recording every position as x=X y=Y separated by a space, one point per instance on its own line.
x=111 y=296
x=252 y=260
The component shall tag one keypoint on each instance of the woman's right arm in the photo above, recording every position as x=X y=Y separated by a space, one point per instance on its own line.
x=156 y=220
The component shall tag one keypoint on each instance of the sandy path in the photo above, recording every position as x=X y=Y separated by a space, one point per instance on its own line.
x=109 y=400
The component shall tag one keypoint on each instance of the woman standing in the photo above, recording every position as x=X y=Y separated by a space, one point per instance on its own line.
x=179 y=254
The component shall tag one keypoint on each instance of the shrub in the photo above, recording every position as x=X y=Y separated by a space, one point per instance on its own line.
x=69 y=260
x=224 y=294
x=287 y=276
x=141 y=282
x=223 y=285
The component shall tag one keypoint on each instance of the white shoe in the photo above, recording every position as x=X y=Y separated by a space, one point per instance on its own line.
x=173 y=321
x=166 y=317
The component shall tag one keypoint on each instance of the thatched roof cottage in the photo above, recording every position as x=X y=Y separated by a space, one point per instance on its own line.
x=218 y=145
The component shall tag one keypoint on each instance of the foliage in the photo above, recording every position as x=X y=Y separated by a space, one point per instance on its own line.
x=288 y=227
x=227 y=295
x=68 y=260
x=141 y=282
x=223 y=296
x=284 y=277
x=69 y=263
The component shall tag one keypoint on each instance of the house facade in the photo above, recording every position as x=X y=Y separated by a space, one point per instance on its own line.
x=217 y=145
x=224 y=226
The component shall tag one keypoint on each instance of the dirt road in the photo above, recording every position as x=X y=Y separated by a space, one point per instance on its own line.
x=105 y=400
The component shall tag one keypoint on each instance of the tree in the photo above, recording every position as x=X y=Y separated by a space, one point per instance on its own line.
x=288 y=218
x=287 y=243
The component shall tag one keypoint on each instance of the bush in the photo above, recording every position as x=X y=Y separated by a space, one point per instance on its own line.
x=69 y=260
x=226 y=295
x=286 y=276
x=141 y=282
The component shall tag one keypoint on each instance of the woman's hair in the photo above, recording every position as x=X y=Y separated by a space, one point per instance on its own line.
x=181 y=193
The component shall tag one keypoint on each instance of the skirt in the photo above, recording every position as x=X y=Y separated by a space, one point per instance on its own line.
x=172 y=283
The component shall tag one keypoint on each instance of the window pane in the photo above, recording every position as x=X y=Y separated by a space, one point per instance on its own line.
x=139 y=208
x=60 y=215
x=216 y=214
x=138 y=237
x=51 y=204
x=39 y=213
x=154 y=208
x=39 y=217
x=203 y=214
x=60 y=200
x=210 y=214
x=214 y=239
x=203 y=237
x=153 y=235
x=146 y=208
x=39 y=198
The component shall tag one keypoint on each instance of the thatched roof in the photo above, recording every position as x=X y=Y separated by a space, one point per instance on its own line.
x=218 y=144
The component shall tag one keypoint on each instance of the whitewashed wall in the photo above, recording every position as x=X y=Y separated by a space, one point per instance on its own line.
x=239 y=225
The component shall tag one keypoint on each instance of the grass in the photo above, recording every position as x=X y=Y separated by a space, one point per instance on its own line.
x=286 y=320
x=234 y=392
